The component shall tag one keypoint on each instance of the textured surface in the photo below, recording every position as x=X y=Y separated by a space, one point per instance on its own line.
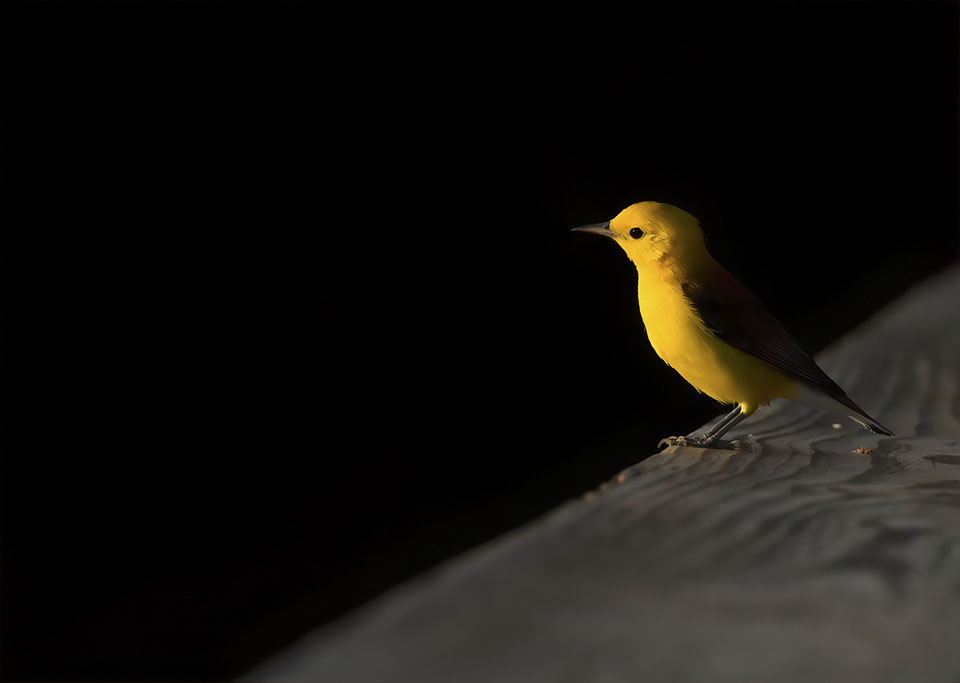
x=795 y=558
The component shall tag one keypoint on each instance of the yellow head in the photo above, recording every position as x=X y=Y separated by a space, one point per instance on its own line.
x=651 y=232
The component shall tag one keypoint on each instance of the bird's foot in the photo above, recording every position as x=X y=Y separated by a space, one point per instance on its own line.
x=694 y=441
x=668 y=441
x=700 y=442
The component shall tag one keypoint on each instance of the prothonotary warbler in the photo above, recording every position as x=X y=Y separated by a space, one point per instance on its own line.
x=707 y=326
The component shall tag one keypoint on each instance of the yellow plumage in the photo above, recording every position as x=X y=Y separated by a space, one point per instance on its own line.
x=684 y=342
x=707 y=326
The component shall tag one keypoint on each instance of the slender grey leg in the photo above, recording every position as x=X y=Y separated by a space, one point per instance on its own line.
x=725 y=423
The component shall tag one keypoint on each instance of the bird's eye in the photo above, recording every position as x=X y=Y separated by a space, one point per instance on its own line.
x=636 y=233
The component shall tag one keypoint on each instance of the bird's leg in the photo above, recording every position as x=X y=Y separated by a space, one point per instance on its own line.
x=711 y=436
x=724 y=424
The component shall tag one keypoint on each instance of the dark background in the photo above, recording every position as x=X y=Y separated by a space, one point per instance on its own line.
x=305 y=314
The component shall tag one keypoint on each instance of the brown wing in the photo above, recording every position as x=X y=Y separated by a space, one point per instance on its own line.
x=728 y=308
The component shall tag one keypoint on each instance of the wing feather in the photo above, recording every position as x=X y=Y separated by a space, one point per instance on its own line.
x=735 y=315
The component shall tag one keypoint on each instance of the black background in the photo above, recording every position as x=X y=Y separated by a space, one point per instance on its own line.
x=306 y=314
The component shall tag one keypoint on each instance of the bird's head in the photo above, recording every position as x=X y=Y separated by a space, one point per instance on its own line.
x=651 y=231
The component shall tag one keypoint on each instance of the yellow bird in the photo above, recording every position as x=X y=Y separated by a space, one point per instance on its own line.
x=706 y=325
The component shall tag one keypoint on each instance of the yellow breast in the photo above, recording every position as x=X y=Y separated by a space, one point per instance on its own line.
x=711 y=365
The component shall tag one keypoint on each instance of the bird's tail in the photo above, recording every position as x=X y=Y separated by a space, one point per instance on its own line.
x=870 y=424
x=840 y=402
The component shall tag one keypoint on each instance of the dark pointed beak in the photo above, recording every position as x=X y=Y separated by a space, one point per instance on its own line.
x=597 y=229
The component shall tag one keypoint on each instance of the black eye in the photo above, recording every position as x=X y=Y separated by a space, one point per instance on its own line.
x=636 y=233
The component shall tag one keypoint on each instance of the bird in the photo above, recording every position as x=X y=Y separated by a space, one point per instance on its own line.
x=707 y=325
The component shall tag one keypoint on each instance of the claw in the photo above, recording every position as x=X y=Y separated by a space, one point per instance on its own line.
x=692 y=441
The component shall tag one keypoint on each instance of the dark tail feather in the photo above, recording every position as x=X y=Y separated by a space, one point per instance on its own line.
x=872 y=426
x=862 y=417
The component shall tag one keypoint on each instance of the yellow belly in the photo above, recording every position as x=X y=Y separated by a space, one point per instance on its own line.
x=711 y=365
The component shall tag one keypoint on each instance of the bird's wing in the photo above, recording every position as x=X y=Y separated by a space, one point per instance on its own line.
x=732 y=313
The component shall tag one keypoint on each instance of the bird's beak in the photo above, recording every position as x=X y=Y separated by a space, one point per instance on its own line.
x=598 y=229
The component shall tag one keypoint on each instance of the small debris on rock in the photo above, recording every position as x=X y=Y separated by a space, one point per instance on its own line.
x=864 y=449
x=836 y=425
